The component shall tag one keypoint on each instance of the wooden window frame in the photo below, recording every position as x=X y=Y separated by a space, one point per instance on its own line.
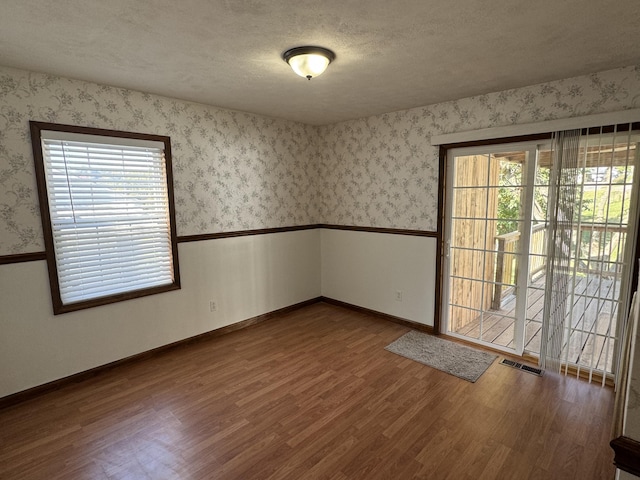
x=59 y=307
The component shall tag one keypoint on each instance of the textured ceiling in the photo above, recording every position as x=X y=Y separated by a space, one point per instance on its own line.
x=391 y=54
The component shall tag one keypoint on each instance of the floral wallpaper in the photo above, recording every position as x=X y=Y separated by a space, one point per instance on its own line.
x=232 y=170
x=382 y=171
x=238 y=171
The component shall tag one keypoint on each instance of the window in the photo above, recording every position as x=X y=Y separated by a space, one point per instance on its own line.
x=106 y=203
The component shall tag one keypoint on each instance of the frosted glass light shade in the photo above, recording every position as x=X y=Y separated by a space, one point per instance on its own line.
x=308 y=62
x=309 y=65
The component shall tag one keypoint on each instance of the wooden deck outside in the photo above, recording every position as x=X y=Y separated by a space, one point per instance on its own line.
x=593 y=320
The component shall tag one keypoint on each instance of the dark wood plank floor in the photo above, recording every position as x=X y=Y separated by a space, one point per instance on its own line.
x=311 y=394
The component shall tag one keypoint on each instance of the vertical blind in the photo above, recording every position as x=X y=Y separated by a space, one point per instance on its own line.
x=592 y=234
x=108 y=202
x=565 y=153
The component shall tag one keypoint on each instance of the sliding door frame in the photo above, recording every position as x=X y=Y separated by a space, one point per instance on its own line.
x=443 y=221
x=439 y=324
x=531 y=149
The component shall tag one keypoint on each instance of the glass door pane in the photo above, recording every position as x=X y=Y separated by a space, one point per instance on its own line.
x=485 y=246
x=604 y=195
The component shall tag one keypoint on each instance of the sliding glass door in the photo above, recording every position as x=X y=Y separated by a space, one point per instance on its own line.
x=498 y=242
x=487 y=242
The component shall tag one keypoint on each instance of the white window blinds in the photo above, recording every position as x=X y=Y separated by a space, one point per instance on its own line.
x=108 y=203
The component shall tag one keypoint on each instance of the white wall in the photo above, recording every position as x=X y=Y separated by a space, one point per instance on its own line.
x=367 y=269
x=238 y=171
x=246 y=276
x=232 y=171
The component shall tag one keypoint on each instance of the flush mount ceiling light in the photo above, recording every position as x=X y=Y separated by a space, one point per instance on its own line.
x=308 y=62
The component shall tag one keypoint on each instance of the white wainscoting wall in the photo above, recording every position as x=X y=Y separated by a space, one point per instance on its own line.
x=245 y=276
x=367 y=269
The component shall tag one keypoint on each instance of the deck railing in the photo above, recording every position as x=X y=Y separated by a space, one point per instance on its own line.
x=601 y=250
x=506 y=272
x=605 y=257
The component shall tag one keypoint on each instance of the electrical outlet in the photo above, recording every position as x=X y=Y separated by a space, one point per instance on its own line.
x=398 y=295
x=213 y=306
